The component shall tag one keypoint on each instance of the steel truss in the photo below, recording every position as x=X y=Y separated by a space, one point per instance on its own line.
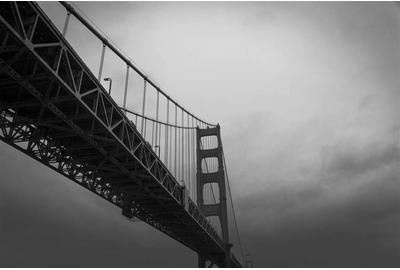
x=53 y=109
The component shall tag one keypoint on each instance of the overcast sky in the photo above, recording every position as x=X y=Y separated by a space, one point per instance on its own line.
x=307 y=96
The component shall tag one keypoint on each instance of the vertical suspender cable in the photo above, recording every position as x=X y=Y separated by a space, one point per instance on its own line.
x=160 y=127
x=176 y=123
x=179 y=155
x=183 y=151
x=194 y=159
x=210 y=168
x=143 y=108
x=159 y=138
x=188 y=154
x=170 y=147
x=152 y=134
x=126 y=86
x=156 y=134
x=166 y=136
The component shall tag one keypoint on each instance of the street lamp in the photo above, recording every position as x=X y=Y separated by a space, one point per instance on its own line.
x=109 y=87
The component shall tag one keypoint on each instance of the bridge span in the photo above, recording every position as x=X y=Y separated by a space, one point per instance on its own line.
x=167 y=169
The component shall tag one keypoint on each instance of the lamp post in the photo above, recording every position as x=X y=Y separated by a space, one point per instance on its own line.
x=109 y=87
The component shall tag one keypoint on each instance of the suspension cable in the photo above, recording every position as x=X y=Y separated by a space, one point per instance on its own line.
x=154 y=120
x=233 y=208
x=92 y=27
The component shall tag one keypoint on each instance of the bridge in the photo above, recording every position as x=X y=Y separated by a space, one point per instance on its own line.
x=157 y=162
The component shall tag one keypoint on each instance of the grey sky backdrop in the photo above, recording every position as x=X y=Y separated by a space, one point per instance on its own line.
x=307 y=95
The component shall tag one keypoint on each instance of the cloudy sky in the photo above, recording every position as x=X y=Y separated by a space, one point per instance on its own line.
x=307 y=95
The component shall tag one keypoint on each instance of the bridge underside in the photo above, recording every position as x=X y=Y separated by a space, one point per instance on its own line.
x=54 y=110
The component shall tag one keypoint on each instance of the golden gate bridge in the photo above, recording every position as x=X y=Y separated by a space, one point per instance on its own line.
x=158 y=162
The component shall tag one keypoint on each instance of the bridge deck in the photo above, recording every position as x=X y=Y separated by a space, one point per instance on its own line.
x=53 y=109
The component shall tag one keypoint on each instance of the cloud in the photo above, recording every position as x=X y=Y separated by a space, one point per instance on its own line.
x=348 y=161
x=307 y=95
x=339 y=220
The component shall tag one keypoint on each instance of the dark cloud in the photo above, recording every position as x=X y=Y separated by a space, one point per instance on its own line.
x=361 y=231
x=348 y=161
x=353 y=213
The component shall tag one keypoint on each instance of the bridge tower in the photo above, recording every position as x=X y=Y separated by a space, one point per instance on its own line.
x=203 y=177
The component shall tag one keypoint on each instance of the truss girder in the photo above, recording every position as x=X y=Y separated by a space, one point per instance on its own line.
x=53 y=109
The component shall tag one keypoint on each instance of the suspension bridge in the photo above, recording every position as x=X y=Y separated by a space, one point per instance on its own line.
x=156 y=161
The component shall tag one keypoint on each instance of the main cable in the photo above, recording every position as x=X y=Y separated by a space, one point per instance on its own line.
x=233 y=208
